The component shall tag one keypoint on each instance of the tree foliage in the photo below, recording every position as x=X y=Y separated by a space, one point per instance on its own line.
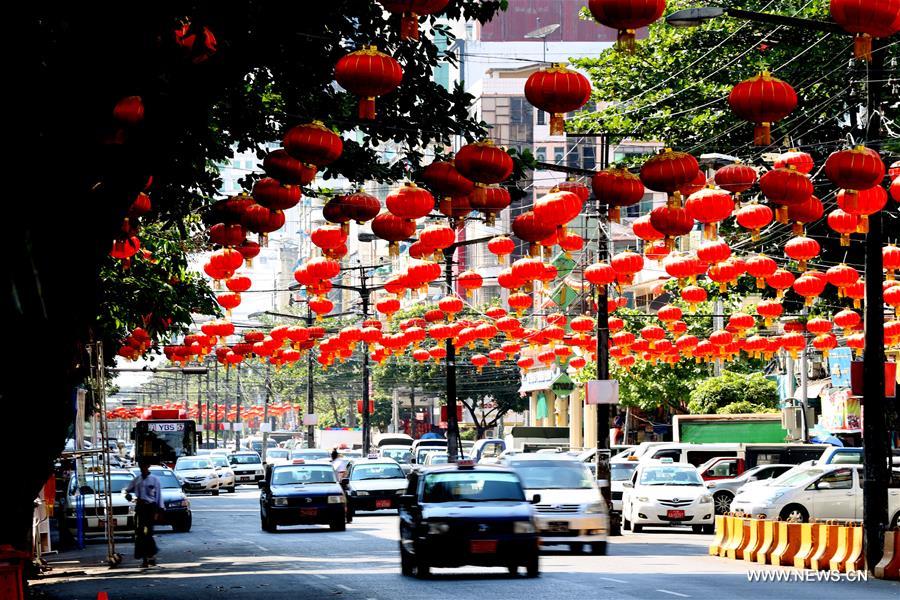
x=732 y=393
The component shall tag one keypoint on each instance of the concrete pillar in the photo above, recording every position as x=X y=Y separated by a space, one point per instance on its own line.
x=562 y=411
x=550 y=398
x=576 y=414
x=532 y=410
x=590 y=426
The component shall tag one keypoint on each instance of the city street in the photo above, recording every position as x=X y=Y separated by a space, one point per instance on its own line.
x=226 y=555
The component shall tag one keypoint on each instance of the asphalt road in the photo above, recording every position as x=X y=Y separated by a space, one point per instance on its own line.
x=227 y=555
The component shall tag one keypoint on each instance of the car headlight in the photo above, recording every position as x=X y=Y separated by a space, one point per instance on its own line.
x=211 y=476
x=400 y=492
x=642 y=499
x=279 y=501
x=336 y=499
x=595 y=508
x=362 y=493
x=705 y=499
x=523 y=527
x=771 y=498
x=438 y=528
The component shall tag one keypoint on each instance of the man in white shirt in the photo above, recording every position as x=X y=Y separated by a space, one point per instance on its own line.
x=148 y=490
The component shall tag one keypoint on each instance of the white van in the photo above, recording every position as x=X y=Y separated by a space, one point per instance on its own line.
x=694 y=454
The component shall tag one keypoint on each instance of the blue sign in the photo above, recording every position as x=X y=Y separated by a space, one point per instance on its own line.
x=839 y=361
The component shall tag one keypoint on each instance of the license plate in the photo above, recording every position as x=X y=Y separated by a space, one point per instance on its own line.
x=483 y=546
x=675 y=514
x=308 y=512
x=558 y=526
x=382 y=504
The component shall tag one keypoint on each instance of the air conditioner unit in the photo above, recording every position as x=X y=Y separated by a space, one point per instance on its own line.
x=792 y=421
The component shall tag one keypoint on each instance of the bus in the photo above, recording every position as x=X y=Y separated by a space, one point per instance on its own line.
x=162 y=436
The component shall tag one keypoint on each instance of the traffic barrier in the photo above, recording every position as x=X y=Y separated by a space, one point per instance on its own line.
x=825 y=548
x=770 y=541
x=849 y=555
x=721 y=535
x=788 y=544
x=889 y=565
x=809 y=538
x=755 y=539
x=741 y=538
x=735 y=532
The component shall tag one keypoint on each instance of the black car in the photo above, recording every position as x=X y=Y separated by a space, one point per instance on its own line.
x=467 y=514
x=177 y=507
x=302 y=493
x=373 y=484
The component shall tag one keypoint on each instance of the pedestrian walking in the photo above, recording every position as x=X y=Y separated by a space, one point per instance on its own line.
x=148 y=490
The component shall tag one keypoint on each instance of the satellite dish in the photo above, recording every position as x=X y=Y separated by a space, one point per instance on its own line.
x=542 y=32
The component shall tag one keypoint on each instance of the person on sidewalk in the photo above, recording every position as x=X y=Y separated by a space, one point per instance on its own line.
x=149 y=501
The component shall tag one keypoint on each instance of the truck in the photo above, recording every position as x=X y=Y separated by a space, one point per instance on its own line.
x=349 y=438
x=754 y=428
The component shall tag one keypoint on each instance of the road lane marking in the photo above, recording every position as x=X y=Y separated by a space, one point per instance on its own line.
x=320 y=576
x=611 y=579
x=345 y=587
x=680 y=595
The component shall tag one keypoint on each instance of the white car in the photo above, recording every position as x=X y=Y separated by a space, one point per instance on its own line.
x=620 y=472
x=665 y=493
x=817 y=492
x=224 y=471
x=88 y=497
x=571 y=509
x=197 y=474
x=247 y=466
x=278 y=456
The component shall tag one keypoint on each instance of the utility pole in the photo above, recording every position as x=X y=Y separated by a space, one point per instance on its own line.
x=265 y=435
x=452 y=424
x=237 y=418
x=200 y=405
x=310 y=400
x=207 y=408
x=216 y=406
x=603 y=242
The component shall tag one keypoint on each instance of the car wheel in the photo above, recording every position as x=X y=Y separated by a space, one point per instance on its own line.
x=267 y=525
x=215 y=492
x=794 y=513
x=598 y=548
x=722 y=502
x=350 y=515
x=697 y=528
x=513 y=570
x=232 y=488
x=423 y=569
x=637 y=528
x=183 y=525
x=407 y=566
x=533 y=566
x=709 y=529
x=626 y=524
x=338 y=525
x=895 y=522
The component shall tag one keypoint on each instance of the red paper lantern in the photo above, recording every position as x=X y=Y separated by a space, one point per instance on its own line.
x=327 y=237
x=867 y=19
x=895 y=189
x=804 y=213
x=229 y=300
x=361 y=207
x=693 y=295
x=280 y=165
x=320 y=306
x=482 y=162
x=558 y=208
x=668 y=171
x=858 y=168
x=239 y=283
x=770 y=310
x=848 y=320
x=368 y=73
x=709 y=206
x=519 y=302
x=626 y=264
x=672 y=222
x=713 y=251
x=259 y=219
x=275 y=196
x=599 y=274
x=754 y=217
x=763 y=100
x=841 y=276
x=862 y=203
x=802 y=249
x=801 y=161
x=617 y=188
x=501 y=247
x=760 y=267
x=843 y=223
x=490 y=201
x=226 y=234
x=780 y=280
x=469 y=280
x=198 y=43
x=443 y=178
x=393 y=229
x=736 y=178
x=313 y=144
x=785 y=187
x=529 y=228
x=129 y=111
x=437 y=237
x=409 y=11
x=557 y=90
x=387 y=306
x=810 y=287
x=626 y=16
x=410 y=202
x=890 y=257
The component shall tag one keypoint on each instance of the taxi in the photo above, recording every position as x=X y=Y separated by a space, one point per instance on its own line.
x=301 y=493
x=467 y=514
x=665 y=493
x=373 y=483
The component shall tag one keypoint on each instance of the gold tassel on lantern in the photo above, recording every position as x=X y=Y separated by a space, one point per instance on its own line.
x=557 y=124
x=862 y=47
x=625 y=41
x=367 y=108
x=863 y=226
x=762 y=134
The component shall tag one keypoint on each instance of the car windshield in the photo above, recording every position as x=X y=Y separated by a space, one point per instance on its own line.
x=383 y=471
x=167 y=479
x=218 y=461
x=184 y=464
x=422 y=453
x=310 y=454
x=798 y=478
x=553 y=474
x=276 y=453
x=670 y=476
x=477 y=486
x=98 y=486
x=244 y=459
x=301 y=475
x=401 y=455
x=437 y=459
x=622 y=471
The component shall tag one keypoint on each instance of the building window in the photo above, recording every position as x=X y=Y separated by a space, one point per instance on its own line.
x=517 y=110
x=558 y=155
x=541 y=118
x=589 y=160
x=540 y=153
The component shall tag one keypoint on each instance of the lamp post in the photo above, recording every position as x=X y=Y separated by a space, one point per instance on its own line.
x=875 y=433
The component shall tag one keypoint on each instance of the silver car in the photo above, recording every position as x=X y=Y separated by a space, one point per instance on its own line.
x=724 y=490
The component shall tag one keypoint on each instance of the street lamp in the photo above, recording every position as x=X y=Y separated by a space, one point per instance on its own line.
x=694 y=17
